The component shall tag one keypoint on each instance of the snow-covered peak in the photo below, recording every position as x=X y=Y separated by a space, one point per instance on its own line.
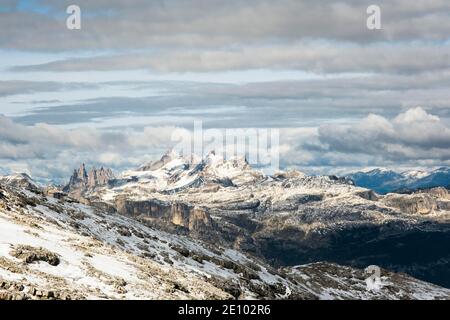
x=172 y=154
x=22 y=180
x=226 y=168
x=416 y=174
x=168 y=157
x=213 y=159
x=376 y=171
x=174 y=172
x=384 y=181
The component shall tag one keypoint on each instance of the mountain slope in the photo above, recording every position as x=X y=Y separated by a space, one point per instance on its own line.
x=51 y=249
x=384 y=181
x=110 y=256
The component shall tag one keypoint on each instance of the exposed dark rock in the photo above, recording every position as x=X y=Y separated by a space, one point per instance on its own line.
x=31 y=254
x=181 y=250
x=368 y=195
x=241 y=205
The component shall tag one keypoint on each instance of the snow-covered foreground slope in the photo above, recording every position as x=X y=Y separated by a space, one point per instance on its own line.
x=111 y=256
x=55 y=249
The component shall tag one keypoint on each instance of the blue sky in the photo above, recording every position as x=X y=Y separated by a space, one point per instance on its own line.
x=313 y=71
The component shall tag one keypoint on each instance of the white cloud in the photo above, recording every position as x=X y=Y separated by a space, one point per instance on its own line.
x=51 y=152
x=413 y=138
x=412 y=135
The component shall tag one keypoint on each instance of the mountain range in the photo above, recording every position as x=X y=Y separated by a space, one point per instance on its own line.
x=286 y=219
x=384 y=181
x=53 y=249
x=225 y=230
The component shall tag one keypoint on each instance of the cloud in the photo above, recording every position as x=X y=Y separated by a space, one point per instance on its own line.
x=186 y=24
x=306 y=56
x=412 y=138
x=13 y=87
x=412 y=135
x=351 y=71
x=309 y=102
x=51 y=152
x=29 y=141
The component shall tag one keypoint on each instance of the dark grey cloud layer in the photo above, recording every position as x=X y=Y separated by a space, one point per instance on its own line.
x=13 y=87
x=266 y=104
x=213 y=23
x=308 y=56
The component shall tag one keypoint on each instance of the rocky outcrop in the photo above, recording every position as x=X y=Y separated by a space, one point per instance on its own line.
x=237 y=205
x=199 y=218
x=368 y=195
x=99 y=177
x=81 y=180
x=54 y=192
x=78 y=180
x=439 y=192
x=412 y=204
x=443 y=205
x=292 y=203
x=179 y=214
x=30 y=254
x=155 y=165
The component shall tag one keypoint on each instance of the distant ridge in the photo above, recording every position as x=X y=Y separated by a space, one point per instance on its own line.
x=385 y=181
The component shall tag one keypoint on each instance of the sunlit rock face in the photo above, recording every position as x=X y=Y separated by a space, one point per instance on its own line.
x=179 y=214
x=412 y=204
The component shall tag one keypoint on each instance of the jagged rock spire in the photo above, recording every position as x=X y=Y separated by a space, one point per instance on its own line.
x=83 y=180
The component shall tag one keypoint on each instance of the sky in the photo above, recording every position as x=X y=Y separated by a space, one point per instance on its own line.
x=342 y=96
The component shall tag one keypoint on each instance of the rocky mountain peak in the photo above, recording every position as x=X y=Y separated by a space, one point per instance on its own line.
x=82 y=171
x=158 y=164
x=82 y=180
